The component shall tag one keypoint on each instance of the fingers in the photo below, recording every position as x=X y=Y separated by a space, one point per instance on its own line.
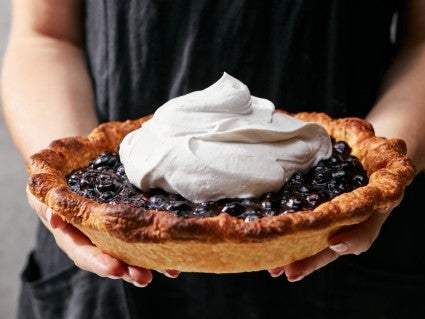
x=359 y=238
x=137 y=276
x=82 y=251
x=90 y=258
x=276 y=272
x=54 y=220
x=301 y=268
x=85 y=255
x=46 y=214
x=170 y=273
x=353 y=240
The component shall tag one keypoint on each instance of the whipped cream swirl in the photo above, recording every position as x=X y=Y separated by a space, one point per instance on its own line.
x=221 y=142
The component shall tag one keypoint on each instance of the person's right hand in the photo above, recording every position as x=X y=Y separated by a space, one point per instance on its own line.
x=85 y=255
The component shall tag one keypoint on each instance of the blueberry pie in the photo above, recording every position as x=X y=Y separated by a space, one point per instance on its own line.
x=84 y=180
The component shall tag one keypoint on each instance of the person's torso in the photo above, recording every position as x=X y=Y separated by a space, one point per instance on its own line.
x=302 y=55
x=327 y=56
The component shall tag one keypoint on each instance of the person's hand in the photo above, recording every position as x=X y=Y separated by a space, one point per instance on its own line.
x=87 y=256
x=354 y=240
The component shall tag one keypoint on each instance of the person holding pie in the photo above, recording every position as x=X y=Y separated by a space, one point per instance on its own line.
x=73 y=65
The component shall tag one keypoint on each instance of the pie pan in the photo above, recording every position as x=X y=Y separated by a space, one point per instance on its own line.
x=159 y=240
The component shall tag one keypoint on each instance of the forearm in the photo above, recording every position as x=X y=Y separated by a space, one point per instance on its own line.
x=46 y=90
x=46 y=93
x=400 y=111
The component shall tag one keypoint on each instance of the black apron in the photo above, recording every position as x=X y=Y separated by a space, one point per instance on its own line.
x=325 y=56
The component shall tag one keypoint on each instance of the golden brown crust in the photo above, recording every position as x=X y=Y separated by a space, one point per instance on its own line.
x=221 y=244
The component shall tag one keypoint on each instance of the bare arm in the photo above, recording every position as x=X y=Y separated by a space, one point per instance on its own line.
x=47 y=94
x=46 y=90
x=400 y=113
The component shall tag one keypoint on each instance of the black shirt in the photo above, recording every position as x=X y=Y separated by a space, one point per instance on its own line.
x=302 y=55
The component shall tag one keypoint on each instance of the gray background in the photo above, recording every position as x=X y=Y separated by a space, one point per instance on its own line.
x=17 y=221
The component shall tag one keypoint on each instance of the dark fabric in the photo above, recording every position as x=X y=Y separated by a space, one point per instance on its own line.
x=54 y=288
x=300 y=54
x=304 y=56
x=341 y=290
x=385 y=282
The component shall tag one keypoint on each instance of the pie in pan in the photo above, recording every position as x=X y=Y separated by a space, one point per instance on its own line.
x=159 y=240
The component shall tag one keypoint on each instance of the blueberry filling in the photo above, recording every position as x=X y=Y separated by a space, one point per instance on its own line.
x=104 y=180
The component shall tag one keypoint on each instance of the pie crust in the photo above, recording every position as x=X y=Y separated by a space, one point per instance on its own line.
x=222 y=244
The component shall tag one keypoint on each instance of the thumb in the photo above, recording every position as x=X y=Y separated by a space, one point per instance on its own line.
x=54 y=219
x=46 y=214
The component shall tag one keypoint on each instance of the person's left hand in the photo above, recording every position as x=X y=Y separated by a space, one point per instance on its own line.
x=85 y=254
x=354 y=240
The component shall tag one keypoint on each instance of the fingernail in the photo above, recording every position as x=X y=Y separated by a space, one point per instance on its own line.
x=296 y=278
x=113 y=277
x=276 y=272
x=171 y=273
x=130 y=281
x=139 y=285
x=339 y=248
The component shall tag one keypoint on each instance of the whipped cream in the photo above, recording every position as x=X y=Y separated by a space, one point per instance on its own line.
x=221 y=142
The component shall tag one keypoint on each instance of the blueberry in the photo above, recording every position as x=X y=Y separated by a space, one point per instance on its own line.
x=105 y=159
x=249 y=211
x=157 y=202
x=294 y=203
x=73 y=179
x=87 y=180
x=180 y=206
x=128 y=191
x=233 y=208
x=268 y=212
x=339 y=174
x=332 y=184
x=303 y=190
x=297 y=178
x=120 y=170
x=269 y=195
x=314 y=199
x=134 y=201
x=105 y=180
x=334 y=160
x=354 y=162
x=248 y=201
x=341 y=148
x=202 y=211
x=106 y=196
x=361 y=180
x=319 y=179
x=266 y=203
